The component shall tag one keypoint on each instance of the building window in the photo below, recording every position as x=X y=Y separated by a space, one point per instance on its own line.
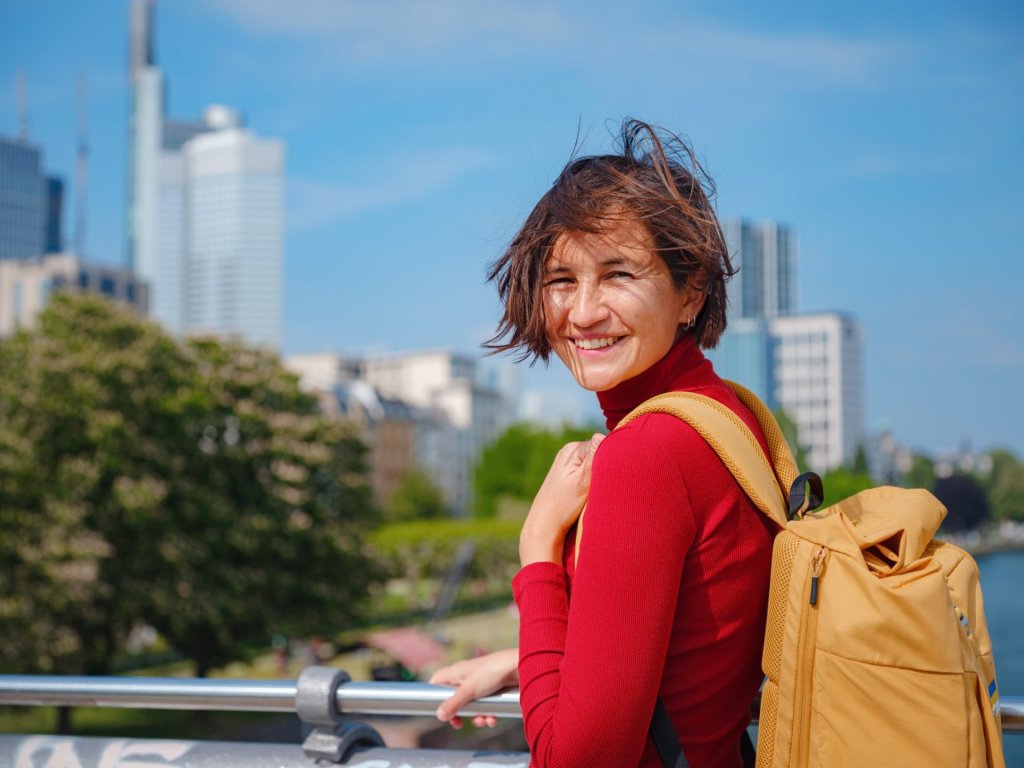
x=107 y=286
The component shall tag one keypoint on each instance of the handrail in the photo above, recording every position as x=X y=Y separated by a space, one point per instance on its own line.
x=367 y=698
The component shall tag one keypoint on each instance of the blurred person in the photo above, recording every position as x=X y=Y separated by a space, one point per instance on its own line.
x=660 y=589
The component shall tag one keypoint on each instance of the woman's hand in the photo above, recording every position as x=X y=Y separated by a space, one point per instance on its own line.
x=558 y=503
x=475 y=679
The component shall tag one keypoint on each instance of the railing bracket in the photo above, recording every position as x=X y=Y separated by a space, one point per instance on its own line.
x=332 y=738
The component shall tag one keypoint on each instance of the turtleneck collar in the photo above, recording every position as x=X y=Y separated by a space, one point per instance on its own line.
x=683 y=368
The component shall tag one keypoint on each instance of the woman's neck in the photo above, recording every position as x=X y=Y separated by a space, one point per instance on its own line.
x=684 y=367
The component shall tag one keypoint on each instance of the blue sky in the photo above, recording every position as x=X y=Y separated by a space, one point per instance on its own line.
x=419 y=134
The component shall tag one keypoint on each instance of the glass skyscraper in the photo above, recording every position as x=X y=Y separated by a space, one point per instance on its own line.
x=764 y=253
x=22 y=200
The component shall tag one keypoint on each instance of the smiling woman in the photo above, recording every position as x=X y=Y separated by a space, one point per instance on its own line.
x=620 y=270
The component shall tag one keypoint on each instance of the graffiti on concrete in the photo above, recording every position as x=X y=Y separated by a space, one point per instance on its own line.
x=55 y=752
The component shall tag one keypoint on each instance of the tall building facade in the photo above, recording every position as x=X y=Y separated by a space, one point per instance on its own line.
x=819 y=383
x=808 y=365
x=764 y=254
x=234 y=235
x=23 y=218
x=205 y=210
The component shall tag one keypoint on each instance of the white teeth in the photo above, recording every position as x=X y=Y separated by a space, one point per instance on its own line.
x=595 y=343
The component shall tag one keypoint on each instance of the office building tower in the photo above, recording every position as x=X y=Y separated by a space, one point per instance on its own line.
x=202 y=193
x=53 y=234
x=819 y=383
x=764 y=255
x=235 y=231
x=22 y=200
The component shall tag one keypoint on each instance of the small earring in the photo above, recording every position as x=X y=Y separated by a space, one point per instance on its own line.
x=690 y=322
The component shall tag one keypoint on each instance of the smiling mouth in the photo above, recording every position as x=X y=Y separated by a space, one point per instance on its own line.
x=596 y=343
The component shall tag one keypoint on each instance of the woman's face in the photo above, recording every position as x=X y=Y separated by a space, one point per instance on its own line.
x=611 y=310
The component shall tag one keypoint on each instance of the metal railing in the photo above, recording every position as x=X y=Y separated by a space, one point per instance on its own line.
x=320 y=697
x=377 y=698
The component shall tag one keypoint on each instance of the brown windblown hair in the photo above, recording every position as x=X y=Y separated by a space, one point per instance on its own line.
x=653 y=180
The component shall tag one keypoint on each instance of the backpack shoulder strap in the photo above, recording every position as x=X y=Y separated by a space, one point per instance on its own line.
x=734 y=443
x=786 y=469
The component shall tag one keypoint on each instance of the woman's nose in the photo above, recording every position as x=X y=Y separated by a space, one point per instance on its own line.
x=588 y=306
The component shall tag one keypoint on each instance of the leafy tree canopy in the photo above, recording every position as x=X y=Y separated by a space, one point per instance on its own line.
x=188 y=485
x=1004 y=485
x=416 y=498
x=514 y=466
x=966 y=505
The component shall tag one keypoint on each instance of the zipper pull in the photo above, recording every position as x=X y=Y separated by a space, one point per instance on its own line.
x=816 y=565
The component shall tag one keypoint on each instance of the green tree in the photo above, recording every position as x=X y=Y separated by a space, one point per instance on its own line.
x=190 y=486
x=841 y=483
x=790 y=432
x=921 y=473
x=860 y=462
x=416 y=498
x=1004 y=485
x=966 y=505
x=514 y=465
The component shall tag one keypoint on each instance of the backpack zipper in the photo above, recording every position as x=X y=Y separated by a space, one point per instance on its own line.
x=805 y=653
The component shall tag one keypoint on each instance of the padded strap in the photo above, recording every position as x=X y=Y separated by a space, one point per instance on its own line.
x=782 y=457
x=666 y=741
x=732 y=440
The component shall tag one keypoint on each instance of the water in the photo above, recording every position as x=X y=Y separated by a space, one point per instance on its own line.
x=1002 y=578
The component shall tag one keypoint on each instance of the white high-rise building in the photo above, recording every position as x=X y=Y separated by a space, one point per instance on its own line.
x=765 y=256
x=819 y=383
x=201 y=194
x=234 y=232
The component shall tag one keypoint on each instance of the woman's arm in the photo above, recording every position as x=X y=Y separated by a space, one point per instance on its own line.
x=590 y=670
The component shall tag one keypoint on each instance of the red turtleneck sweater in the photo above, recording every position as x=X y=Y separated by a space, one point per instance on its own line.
x=668 y=598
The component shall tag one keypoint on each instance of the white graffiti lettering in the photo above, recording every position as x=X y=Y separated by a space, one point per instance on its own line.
x=52 y=752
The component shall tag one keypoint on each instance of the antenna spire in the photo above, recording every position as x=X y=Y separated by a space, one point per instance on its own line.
x=21 y=104
x=81 y=164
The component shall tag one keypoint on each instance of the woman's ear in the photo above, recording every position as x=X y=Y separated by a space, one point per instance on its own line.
x=694 y=294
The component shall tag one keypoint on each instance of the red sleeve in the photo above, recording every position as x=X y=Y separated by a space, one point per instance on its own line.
x=590 y=668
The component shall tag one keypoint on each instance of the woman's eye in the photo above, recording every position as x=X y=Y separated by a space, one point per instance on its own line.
x=558 y=281
x=620 y=275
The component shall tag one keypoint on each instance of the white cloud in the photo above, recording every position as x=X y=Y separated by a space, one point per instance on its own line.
x=400 y=179
x=611 y=40
x=388 y=26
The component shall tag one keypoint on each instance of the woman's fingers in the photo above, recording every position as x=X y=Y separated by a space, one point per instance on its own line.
x=475 y=678
x=448 y=709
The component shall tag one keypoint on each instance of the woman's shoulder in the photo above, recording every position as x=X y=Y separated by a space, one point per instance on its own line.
x=659 y=431
x=651 y=435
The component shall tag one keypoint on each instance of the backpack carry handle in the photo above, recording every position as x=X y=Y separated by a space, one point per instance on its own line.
x=800 y=501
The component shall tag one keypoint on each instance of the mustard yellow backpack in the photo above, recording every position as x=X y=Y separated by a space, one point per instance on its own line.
x=876 y=648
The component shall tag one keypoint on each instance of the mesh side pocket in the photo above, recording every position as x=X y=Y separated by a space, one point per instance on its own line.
x=783 y=556
x=766 y=724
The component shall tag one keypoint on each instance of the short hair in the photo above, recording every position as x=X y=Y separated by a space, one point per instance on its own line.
x=656 y=180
